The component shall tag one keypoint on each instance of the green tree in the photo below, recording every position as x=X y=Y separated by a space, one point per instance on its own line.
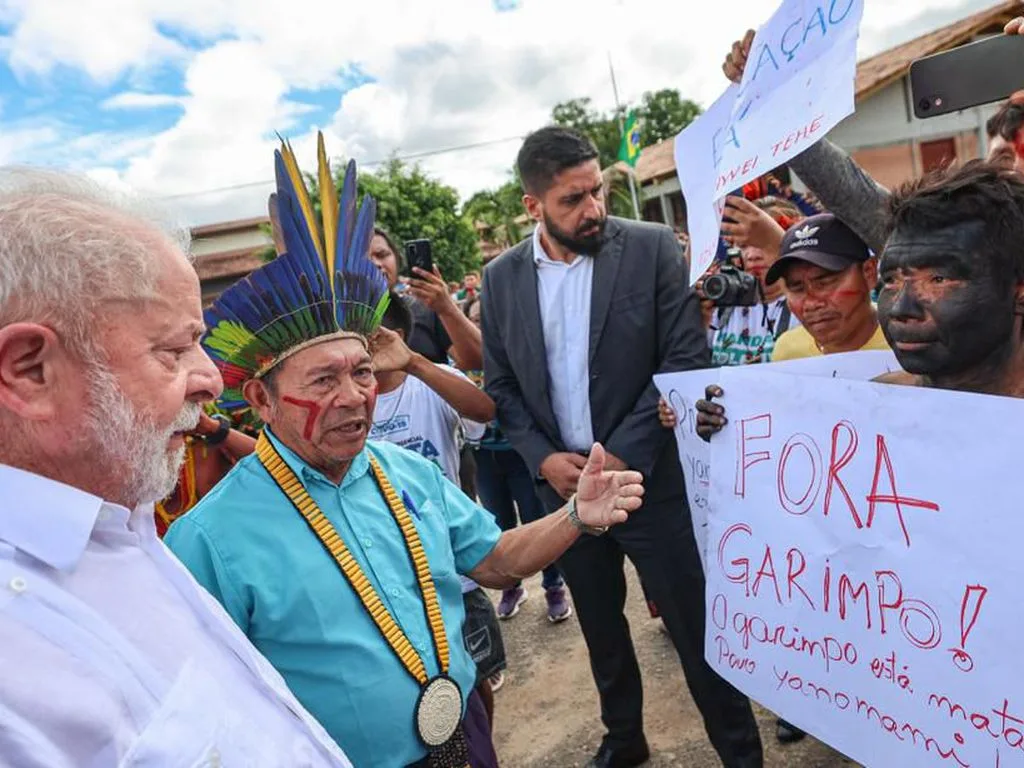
x=663 y=114
x=602 y=128
x=412 y=205
x=497 y=210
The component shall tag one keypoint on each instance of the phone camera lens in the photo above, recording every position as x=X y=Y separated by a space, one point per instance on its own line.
x=924 y=104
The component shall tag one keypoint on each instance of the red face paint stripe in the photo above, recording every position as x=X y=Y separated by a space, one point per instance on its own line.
x=314 y=413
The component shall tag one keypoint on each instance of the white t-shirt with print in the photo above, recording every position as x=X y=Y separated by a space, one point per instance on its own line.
x=748 y=333
x=415 y=417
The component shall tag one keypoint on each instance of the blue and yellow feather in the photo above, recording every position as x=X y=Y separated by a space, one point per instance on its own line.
x=323 y=284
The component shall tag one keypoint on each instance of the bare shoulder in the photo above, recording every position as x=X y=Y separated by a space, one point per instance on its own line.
x=899 y=377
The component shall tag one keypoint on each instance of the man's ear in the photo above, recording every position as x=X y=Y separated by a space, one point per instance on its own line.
x=533 y=207
x=32 y=361
x=871 y=273
x=258 y=396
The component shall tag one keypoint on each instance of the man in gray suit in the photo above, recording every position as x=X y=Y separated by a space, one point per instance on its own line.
x=576 y=321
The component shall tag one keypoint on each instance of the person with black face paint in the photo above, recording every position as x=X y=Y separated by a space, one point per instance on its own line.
x=576 y=321
x=952 y=294
x=951 y=302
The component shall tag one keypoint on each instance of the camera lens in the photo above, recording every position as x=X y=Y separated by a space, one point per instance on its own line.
x=924 y=104
x=714 y=287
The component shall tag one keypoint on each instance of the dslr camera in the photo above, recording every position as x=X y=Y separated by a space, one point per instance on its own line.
x=731 y=286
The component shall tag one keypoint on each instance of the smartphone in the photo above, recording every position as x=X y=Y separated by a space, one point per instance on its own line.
x=977 y=73
x=418 y=254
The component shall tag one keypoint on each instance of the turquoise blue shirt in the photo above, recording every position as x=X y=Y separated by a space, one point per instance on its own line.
x=252 y=550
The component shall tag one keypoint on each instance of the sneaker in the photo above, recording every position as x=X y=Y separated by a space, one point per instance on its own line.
x=511 y=599
x=496 y=681
x=559 y=608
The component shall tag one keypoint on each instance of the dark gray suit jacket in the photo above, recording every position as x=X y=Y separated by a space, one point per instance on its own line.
x=644 y=319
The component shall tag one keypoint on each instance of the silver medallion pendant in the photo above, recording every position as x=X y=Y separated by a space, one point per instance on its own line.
x=438 y=711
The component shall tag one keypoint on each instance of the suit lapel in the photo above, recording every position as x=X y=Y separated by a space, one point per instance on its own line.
x=527 y=301
x=524 y=291
x=606 y=271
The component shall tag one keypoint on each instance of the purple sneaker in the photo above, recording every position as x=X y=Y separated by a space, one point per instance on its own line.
x=511 y=599
x=559 y=608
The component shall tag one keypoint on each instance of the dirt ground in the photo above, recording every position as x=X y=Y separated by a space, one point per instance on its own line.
x=547 y=715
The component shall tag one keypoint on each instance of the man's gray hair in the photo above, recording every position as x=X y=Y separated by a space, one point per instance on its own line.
x=67 y=245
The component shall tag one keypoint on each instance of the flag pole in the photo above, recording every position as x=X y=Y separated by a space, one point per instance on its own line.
x=622 y=135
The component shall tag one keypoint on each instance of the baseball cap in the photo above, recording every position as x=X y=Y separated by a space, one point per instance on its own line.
x=822 y=240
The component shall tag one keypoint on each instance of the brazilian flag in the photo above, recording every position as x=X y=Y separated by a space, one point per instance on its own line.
x=629 y=150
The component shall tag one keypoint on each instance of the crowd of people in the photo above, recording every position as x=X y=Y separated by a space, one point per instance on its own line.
x=262 y=535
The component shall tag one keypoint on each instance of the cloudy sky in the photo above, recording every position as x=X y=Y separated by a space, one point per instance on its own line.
x=180 y=99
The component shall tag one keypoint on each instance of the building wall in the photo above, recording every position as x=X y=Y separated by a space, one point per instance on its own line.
x=889 y=166
x=252 y=237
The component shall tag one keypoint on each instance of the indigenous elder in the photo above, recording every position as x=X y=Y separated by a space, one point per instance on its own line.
x=577 y=319
x=340 y=558
x=111 y=653
x=951 y=303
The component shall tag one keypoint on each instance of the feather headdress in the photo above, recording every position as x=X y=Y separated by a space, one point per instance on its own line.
x=323 y=287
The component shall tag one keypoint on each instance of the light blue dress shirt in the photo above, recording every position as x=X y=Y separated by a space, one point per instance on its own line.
x=563 y=292
x=252 y=550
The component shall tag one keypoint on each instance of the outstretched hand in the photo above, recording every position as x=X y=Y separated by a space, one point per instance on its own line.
x=605 y=498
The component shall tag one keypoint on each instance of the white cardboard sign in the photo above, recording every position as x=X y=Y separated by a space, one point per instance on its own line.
x=865 y=566
x=797 y=85
x=683 y=390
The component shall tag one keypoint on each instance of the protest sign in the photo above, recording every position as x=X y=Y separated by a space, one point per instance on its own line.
x=863 y=566
x=683 y=390
x=797 y=85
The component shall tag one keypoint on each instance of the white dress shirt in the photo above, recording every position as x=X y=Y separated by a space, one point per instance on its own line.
x=112 y=655
x=564 y=291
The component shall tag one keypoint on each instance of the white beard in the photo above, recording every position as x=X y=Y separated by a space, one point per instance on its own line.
x=128 y=444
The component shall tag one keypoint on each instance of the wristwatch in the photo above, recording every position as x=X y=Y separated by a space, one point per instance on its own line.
x=574 y=518
x=221 y=434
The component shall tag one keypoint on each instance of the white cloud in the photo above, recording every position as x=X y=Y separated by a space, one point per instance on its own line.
x=136 y=100
x=446 y=73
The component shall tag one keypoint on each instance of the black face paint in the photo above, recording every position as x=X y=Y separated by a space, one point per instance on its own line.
x=942 y=306
x=575 y=242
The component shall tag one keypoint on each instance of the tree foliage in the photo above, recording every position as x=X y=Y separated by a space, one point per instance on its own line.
x=412 y=205
x=497 y=211
x=662 y=115
x=601 y=127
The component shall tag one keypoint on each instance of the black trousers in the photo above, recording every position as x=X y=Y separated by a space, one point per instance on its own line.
x=659 y=540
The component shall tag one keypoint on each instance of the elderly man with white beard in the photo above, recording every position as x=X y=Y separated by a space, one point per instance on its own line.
x=111 y=653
